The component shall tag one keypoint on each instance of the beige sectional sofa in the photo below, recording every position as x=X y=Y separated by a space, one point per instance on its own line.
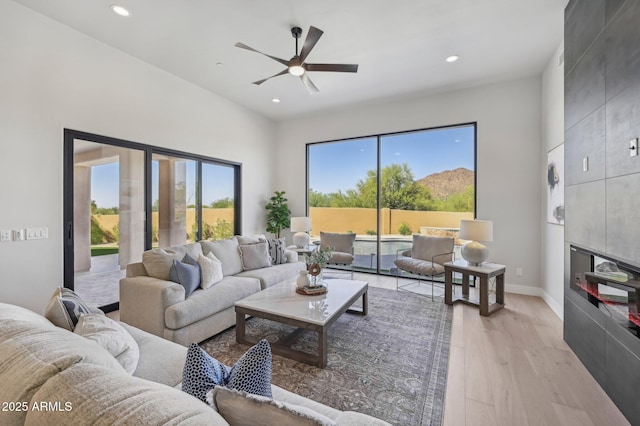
x=52 y=376
x=151 y=302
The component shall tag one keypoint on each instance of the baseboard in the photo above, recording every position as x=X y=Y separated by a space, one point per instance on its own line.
x=537 y=291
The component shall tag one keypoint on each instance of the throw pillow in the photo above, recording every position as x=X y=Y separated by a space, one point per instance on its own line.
x=277 y=251
x=251 y=239
x=65 y=307
x=244 y=408
x=186 y=273
x=211 y=270
x=252 y=372
x=202 y=372
x=254 y=256
x=227 y=252
x=111 y=336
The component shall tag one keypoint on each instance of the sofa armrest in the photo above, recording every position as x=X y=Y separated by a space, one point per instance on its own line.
x=144 y=300
x=135 y=270
x=292 y=256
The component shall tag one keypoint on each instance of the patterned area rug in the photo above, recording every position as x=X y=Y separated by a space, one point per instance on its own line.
x=390 y=364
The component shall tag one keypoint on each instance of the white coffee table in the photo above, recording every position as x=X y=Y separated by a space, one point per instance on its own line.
x=282 y=304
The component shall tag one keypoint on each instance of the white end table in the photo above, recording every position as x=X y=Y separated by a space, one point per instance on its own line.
x=484 y=272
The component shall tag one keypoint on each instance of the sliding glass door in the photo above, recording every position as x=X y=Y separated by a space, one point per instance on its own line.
x=122 y=198
x=388 y=187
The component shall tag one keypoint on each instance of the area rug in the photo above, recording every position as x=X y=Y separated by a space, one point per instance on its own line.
x=390 y=364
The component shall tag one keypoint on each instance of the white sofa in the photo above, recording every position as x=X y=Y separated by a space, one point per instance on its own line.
x=52 y=376
x=153 y=303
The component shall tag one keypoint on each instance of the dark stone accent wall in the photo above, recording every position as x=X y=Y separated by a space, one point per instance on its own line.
x=602 y=114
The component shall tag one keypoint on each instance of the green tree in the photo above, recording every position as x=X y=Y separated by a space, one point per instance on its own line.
x=459 y=202
x=318 y=199
x=223 y=203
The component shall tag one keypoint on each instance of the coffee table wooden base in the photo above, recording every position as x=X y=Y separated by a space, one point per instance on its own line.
x=284 y=347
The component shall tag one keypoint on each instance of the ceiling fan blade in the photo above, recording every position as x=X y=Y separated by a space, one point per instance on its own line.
x=244 y=46
x=259 y=82
x=331 y=67
x=309 y=84
x=313 y=36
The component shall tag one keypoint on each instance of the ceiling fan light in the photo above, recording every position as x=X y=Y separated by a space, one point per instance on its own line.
x=296 y=70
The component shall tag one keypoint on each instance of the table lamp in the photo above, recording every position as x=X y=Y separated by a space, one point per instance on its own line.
x=476 y=230
x=300 y=225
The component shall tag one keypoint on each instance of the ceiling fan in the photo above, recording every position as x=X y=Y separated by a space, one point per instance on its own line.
x=297 y=66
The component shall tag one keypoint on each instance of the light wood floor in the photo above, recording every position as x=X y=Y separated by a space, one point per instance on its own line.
x=513 y=368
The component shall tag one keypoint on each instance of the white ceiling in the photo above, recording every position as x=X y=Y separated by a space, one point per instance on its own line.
x=400 y=45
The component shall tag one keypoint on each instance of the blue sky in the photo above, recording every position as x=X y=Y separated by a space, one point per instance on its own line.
x=339 y=165
x=217 y=183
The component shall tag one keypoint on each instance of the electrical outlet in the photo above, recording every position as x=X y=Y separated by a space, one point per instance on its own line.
x=5 y=235
x=519 y=272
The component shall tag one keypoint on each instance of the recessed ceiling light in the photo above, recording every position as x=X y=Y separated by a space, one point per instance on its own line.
x=120 y=10
x=220 y=64
x=453 y=58
x=275 y=100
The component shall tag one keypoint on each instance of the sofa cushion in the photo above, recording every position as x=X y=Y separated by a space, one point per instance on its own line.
x=111 y=336
x=275 y=274
x=340 y=258
x=65 y=307
x=202 y=372
x=227 y=252
x=417 y=266
x=426 y=247
x=157 y=262
x=283 y=395
x=204 y=303
x=254 y=256
x=244 y=408
x=211 y=270
x=251 y=239
x=161 y=360
x=277 y=251
x=186 y=273
x=34 y=350
x=98 y=397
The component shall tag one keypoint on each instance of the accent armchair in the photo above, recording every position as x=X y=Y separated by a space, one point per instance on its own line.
x=343 y=246
x=424 y=261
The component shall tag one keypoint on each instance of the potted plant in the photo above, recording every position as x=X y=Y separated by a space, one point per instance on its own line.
x=278 y=213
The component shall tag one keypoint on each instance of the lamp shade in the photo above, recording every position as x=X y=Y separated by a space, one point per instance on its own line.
x=300 y=224
x=476 y=230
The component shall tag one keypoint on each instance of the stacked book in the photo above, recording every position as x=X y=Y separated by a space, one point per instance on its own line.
x=319 y=289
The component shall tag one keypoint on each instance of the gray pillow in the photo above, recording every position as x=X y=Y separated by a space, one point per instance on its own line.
x=65 y=307
x=277 y=251
x=186 y=273
x=254 y=256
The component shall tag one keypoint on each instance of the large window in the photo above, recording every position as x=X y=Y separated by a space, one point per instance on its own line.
x=122 y=198
x=385 y=188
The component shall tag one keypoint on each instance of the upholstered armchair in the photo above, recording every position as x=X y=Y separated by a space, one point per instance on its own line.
x=424 y=261
x=342 y=245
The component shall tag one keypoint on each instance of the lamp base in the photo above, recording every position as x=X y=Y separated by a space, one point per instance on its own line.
x=301 y=239
x=475 y=253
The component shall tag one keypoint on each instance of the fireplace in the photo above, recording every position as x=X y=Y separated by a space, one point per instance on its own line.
x=610 y=285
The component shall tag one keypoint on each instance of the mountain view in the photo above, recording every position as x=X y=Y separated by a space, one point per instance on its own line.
x=444 y=184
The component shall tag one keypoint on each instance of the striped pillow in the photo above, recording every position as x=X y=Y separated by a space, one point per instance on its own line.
x=276 y=251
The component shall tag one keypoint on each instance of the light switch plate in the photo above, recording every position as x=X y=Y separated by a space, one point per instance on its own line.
x=5 y=235
x=585 y=164
x=633 y=147
x=18 y=235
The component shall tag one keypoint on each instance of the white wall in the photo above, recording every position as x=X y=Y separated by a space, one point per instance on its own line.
x=51 y=78
x=552 y=136
x=509 y=140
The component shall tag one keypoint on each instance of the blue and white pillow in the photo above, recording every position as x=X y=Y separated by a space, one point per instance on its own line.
x=202 y=372
x=186 y=273
x=65 y=307
x=251 y=374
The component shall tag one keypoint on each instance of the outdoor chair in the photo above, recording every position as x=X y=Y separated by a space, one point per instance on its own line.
x=343 y=246
x=424 y=261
